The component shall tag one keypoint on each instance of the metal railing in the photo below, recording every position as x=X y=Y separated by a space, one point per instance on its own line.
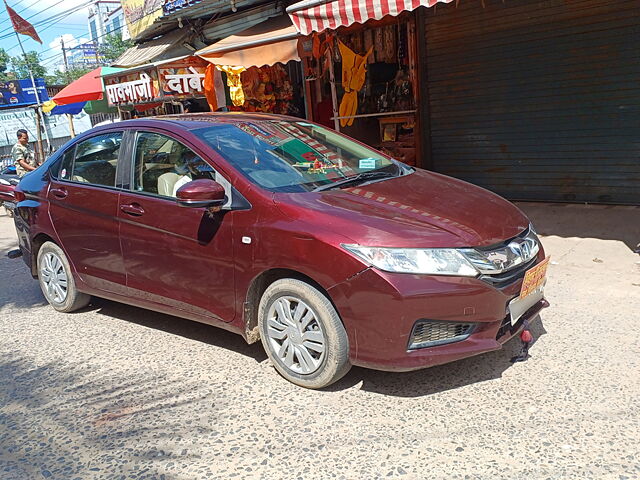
x=5 y=161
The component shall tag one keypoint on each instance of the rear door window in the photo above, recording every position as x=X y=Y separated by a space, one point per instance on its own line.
x=96 y=160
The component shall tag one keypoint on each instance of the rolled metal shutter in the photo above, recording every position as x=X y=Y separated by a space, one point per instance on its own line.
x=537 y=100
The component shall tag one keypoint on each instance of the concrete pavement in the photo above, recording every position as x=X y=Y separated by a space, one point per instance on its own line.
x=116 y=392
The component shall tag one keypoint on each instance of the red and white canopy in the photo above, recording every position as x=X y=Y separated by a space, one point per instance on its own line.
x=317 y=15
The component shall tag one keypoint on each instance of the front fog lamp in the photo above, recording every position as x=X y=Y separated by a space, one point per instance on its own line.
x=427 y=261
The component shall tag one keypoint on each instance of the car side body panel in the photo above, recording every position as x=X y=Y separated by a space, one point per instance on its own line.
x=204 y=266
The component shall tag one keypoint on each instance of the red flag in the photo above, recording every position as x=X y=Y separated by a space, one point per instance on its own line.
x=21 y=26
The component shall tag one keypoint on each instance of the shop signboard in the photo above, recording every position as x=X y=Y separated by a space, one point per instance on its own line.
x=57 y=125
x=173 y=5
x=89 y=53
x=182 y=78
x=14 y=93
x=138 y=87
x=140 y=14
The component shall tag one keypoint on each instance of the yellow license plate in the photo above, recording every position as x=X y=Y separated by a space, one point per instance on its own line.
x=534 y=278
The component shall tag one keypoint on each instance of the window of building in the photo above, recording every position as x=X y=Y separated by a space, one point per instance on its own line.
x=92 y=29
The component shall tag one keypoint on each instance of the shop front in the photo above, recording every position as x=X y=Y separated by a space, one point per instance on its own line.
x=159 y=88
x=362 y=81
x=261 y=68
x=363 y=70
x=531 y=100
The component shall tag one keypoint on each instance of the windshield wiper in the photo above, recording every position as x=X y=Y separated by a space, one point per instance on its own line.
x=361 y=177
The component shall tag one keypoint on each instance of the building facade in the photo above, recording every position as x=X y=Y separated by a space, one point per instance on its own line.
x=106 y=17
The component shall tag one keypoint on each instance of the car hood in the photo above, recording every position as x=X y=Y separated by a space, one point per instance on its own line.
x=423 y=209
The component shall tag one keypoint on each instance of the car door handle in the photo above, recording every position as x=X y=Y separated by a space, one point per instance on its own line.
x=59 y=193
x=134 y=209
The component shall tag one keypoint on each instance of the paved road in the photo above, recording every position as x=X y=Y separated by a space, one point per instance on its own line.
x=117 y=392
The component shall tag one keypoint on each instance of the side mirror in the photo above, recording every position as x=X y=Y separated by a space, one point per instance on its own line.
x=201 y=193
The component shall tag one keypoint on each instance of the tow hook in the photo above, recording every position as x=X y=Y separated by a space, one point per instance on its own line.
x=17 y=253
x=526 y=338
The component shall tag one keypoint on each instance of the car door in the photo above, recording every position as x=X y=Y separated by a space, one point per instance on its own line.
x=176 y=256
x=83 y=205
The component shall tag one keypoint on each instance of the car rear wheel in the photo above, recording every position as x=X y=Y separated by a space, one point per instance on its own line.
x=56 y=281
x=303 y=334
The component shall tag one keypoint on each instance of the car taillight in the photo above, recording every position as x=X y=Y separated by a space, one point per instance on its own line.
x=19 y=195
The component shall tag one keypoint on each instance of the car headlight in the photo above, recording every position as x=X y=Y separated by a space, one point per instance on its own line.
x=427 y=261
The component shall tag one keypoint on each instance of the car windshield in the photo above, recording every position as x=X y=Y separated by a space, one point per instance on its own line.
x=296 y=156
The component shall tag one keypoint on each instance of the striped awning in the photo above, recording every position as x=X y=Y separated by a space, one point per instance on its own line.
x=317 y=15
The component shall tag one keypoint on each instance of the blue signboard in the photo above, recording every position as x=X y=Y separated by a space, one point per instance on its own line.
x=15 y=93
x=173 y=5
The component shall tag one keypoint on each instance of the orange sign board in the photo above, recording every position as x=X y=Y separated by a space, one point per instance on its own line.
x=534 y=278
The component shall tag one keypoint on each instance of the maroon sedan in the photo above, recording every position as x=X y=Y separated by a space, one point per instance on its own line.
x=282 y=230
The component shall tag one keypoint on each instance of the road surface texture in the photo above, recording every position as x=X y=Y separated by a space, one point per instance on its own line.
x=116 y=392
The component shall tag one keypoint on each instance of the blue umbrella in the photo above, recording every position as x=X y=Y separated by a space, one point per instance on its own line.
x=72 y=109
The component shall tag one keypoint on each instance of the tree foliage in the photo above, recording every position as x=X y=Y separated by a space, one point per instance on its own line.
x=21 y=63
x=65 y=78
x=114 y=46
x=17 y=67
x=5 y=63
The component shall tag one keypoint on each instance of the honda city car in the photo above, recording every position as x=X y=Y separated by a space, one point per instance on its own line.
x=286 y=232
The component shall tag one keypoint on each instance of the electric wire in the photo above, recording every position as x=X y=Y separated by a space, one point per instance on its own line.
x=57 y=16
x=53 y=20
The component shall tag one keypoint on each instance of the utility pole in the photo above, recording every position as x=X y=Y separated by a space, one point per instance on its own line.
x=72 y=130
x=99 y=30
x=64 y=54
x=37 y=109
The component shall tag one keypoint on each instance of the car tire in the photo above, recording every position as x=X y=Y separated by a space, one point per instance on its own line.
x=56 y=280
x=302 y=334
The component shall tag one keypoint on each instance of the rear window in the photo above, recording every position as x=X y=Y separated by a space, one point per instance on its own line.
x=93 y=161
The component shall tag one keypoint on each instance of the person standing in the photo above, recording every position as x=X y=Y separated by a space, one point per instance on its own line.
x=23 y=155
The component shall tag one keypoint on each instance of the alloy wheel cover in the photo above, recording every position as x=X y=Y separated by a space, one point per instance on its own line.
x=295 y=335
x=54 y=278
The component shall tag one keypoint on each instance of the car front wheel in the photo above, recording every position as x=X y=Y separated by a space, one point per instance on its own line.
x=303 y=334
x=56 y=281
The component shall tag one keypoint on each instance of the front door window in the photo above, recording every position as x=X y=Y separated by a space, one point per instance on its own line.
x=162 y=165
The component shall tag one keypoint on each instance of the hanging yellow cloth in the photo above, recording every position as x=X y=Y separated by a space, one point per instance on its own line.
x=354 y=71
x=234 y=83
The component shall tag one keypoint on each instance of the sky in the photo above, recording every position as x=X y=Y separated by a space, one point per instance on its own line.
x=73 y=27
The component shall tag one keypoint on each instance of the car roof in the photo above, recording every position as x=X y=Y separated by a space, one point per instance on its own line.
x=190 y=121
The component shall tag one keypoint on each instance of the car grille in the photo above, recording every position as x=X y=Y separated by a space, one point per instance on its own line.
x=504 y=279
x=429 y=333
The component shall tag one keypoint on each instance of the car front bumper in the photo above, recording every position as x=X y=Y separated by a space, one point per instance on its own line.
x=380 y=309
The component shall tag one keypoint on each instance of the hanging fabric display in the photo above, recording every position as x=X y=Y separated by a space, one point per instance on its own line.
x=234 y=83
x=354 y=70
x=268 y=89
x=210 y=88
